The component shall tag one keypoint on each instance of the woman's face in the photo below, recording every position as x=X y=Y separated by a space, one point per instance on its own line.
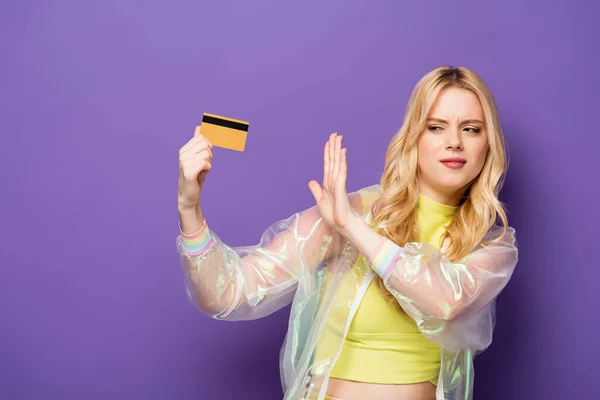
x=453 y=146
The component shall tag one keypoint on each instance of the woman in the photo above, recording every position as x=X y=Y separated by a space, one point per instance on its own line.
x=392 y=287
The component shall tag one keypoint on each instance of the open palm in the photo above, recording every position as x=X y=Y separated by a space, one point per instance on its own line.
x=332 y=198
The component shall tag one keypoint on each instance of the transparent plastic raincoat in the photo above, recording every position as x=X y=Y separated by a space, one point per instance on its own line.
x=301 y=261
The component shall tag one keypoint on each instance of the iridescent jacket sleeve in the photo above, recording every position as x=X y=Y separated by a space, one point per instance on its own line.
x=452 y=303
x=250 y=282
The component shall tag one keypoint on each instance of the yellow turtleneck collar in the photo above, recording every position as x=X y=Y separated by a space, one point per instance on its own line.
x=429 y=206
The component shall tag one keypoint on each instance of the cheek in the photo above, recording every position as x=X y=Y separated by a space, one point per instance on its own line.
x=479 y=157
x=424 y=157
x=482 y=154
x=426 y=149
x=429 y=166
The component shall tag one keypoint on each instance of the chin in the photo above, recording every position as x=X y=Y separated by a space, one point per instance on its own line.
x=452 y=186
x=453 y=183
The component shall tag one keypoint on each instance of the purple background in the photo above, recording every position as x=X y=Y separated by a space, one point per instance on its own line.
x=97 y=98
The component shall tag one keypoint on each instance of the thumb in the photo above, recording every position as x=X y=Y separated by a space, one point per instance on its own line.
x=316 y=190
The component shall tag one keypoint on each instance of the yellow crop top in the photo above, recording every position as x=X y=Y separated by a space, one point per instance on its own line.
x=383 y=345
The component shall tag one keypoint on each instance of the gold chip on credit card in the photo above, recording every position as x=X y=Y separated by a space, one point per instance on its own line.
x=225 y=132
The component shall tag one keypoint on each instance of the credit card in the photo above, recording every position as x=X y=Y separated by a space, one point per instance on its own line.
x=225 y=132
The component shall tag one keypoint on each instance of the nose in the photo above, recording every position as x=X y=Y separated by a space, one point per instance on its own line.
x=453 y=141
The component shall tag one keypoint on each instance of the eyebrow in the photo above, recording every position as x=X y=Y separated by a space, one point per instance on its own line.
x=466 y=121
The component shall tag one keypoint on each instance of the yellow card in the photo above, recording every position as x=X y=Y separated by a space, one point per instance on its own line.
x=225 y=132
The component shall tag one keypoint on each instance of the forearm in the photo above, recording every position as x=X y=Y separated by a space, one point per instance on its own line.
x=407 y=284
x=420 y=275
x=380 y=251
x=383 y=256
x=209 y=285
x=248 y=282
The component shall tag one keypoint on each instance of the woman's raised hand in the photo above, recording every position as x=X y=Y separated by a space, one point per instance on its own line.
x=195 y=161
x=332 y=198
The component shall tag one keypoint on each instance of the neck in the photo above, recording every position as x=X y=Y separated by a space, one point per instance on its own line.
x=449 y=199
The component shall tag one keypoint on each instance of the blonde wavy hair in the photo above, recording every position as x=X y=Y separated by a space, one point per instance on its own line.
x=394 y=211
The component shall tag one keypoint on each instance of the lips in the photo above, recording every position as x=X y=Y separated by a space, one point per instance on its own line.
x=453 y=162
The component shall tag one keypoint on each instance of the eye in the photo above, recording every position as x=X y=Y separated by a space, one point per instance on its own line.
x=434 y=128
x=473 y=130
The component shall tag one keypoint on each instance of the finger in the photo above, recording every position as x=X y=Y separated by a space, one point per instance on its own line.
x=331 y=160
x=343 y=170
x=192 y=169
x=198 y=138
x=200 y=146
x=340 y=184
x=205 y=154
x=197 y=131
x=192 y=142
x=192 y=151
x=205 y=139
x=193 y=162
x=336 y=161
x=316 y=190
x=198 y=161
x=326 y=165
x=198 y=166
x=201 y=172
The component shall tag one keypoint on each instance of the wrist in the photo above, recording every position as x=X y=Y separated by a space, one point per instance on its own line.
x=353 y=228
x=191 y=219
x=188 y=209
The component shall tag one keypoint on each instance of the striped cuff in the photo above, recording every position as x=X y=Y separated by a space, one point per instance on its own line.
x=198 y=243
x=385 y=256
